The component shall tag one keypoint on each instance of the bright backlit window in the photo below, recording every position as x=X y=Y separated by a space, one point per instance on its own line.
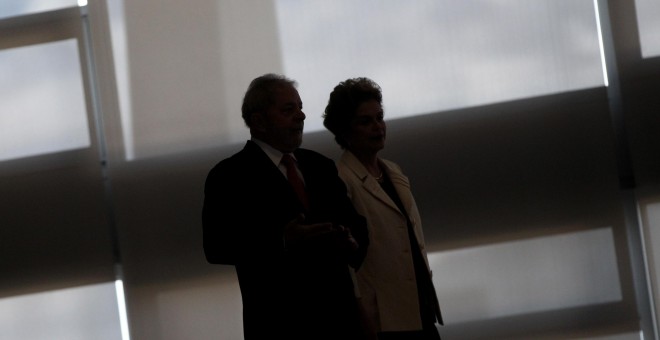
x=9 y=8
x=527 y=276
x=648 y=19
x=428 y=56
x=43 y=102
x=434 y=55
x=80 y=313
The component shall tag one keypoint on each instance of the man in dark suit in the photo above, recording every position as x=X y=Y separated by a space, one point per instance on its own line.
x=291 y=242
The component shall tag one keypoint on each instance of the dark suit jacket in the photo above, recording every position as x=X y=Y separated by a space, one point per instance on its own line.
x=293 y=292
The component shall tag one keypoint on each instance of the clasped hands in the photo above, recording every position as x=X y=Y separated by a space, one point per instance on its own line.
x=296 y=232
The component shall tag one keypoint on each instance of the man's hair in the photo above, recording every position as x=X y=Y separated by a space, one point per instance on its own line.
x=259 y=94
x=344 y=101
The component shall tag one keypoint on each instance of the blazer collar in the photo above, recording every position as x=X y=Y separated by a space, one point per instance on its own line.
x=369 y=182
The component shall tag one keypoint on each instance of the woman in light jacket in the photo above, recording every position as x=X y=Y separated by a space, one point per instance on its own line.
x=394 y=281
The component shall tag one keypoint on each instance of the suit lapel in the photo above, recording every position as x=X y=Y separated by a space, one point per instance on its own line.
x=260 y=161
x=266 y=172
x=402 y=186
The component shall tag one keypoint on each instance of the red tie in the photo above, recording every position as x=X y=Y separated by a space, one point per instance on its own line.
x=294 y=179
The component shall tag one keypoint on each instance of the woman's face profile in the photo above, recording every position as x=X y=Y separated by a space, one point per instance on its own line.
x=367 y=129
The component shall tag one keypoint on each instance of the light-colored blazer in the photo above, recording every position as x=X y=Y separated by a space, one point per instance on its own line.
x=386 y=279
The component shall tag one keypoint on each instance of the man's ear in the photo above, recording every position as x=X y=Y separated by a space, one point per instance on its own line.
x=258 y=121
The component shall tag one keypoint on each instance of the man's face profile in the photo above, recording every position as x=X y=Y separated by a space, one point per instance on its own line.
x=282 y=122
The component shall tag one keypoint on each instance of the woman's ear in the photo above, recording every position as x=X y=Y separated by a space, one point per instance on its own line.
x=345 y=139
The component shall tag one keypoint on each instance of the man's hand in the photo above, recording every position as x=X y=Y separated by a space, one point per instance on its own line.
x=345 y=238
x=296 y=231
x=339 y=236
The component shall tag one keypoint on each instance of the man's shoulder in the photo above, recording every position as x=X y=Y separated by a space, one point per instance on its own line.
x=235 y=162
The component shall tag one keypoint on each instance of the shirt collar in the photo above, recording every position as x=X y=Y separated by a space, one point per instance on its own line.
x=272 y=153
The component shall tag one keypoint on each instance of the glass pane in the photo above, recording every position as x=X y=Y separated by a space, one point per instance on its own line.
x=512 y=278
x=9 y=8
x=428 y=55
x=648 y=18
x=81 y=313
x=650 y=218
x=120 y=59
x=432 y=55
x=42 y=101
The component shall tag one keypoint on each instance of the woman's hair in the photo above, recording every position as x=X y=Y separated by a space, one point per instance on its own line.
x=344 y=101
x=259 y=95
